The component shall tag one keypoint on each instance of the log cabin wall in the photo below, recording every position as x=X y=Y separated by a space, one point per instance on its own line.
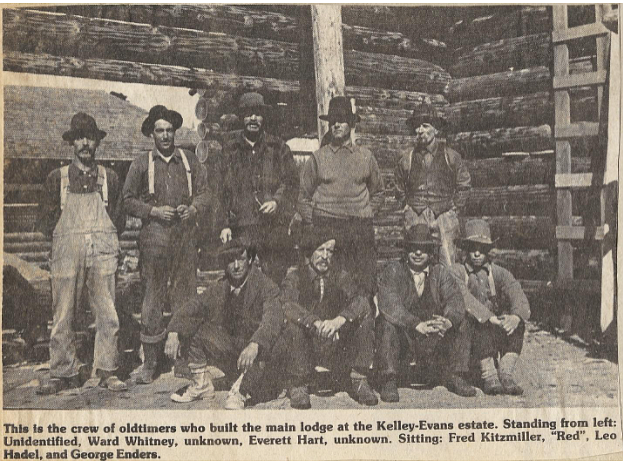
x=486 y=68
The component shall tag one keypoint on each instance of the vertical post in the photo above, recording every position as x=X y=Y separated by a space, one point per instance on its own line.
x=308 y=119
x=328 y=57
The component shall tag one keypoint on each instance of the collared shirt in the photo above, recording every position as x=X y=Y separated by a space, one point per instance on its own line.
x=80 y=182
x=236 y=289
x=340 y=182
x=419 y=278
x=170 y=189
x=484 y=280
x=319 y=281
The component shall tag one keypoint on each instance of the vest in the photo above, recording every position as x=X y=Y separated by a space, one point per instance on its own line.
x=333 y=301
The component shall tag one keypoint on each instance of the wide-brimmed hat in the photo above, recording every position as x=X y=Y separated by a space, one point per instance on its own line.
x=418 y=236
x=312 y=240
x=340 y=109
x=251 y=100
x=83 y=125
x=478 y=231
x=426 y=113
x=161 y=112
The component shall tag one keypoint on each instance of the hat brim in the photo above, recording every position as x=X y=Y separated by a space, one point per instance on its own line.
x=353 y=118
x=72 y=134
x=418 y=244
x=173 y=117
x=437 y=122
x=483 y=242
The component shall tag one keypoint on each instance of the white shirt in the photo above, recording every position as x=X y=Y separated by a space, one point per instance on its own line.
x=419 y=278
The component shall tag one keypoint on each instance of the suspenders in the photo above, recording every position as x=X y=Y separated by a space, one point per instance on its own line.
x=101 y=183
x=151 y=174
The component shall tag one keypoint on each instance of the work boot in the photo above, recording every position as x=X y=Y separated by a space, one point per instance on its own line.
x=151 y=351
x=200 y=388
x=56 y=385
x=299 y=398
x=110 y=381
x=362 y=391
x=457 y=385
x=490 y=381
x=235 y=401
x=507 y=370
x=389 y=391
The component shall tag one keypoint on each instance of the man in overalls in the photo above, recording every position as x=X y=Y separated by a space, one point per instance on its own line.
x=81 y=212
x=167 y=189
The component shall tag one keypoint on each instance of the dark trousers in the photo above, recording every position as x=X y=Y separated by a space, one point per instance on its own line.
x=490 y=340
x=443 y=355
x=356 y=252
x=353 y=350
x=275 y=249
x=169 y=275
x=212 y=345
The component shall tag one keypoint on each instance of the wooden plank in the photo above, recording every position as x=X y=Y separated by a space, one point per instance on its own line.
x=581 y=233
x=578 y=32
x=578 y=80
x=583 y=180
x=328 y=58
x=577 y=130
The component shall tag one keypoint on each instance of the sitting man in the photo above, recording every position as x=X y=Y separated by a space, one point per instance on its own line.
x=329 y=323
x=233 y=325
x=422 y=314
x=505 y=308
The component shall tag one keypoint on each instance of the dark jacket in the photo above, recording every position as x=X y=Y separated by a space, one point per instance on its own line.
x=398 y=298
x=442 y=186
x=250 y=176
x=260 y=317
x=342 y=297
x=509 y=297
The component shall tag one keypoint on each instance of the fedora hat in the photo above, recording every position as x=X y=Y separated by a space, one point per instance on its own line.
x=478 y=231
x=418 y=236
x=161 y=112
x=426 y=113
x=251 y=100
x=85 y=125
x=340 y=109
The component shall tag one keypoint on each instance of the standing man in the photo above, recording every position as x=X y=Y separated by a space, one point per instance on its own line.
x=81 y=212
x=422 y=317
x=330 y=323
x=498 y=339
x=431 y=181
x=341 y=189
x=259 y=178
x=167 y=189
x=233 y=325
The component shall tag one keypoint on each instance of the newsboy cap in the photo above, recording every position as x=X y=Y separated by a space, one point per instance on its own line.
x=161 y=112
x=83 y=125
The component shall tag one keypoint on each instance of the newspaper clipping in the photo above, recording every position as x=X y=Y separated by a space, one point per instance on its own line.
x=310 y=232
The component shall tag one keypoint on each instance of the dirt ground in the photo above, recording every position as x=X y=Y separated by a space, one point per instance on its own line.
x=553 y=372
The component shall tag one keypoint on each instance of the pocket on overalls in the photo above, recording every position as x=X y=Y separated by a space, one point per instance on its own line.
x=106 y=244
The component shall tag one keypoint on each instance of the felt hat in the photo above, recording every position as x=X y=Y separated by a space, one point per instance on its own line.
x=233 y=249
x=418 y=236
x=83 y=125
x=251 y=100
x=340 y=109
x=426 y=113
x=477 y=231
x=314 y=239
x=161 y=112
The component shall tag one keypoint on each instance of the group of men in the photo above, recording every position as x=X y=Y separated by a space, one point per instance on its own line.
x=268 y=325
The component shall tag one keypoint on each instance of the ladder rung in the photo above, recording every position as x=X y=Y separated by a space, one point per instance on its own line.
x=590 y=286
x=578 y=233
x=580 y=80
x=587 y=30
x=582 y=180
x=579 y=129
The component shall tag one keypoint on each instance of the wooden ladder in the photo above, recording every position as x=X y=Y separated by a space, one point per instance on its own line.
x=603 y=180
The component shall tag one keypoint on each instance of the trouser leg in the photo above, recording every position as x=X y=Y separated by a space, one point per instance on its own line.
x=183 y=273
x=449 y=231
x=212 y=345
x=101 y=288
x=358 y=341
x=390 y=348
x=68 y=274
x=155 y=267
x=300 y=356
x=451 y=353
x=514 y=342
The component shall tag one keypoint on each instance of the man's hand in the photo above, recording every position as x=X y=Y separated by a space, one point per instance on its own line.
x=186 y=212
x=509 y=323
x=428 y=327
x=494 y=320
x=166 y=213
x=172 y=346
x=443 y=324
x=269 y=207
x=225 y=235
x=247 y=356
x=328 y=328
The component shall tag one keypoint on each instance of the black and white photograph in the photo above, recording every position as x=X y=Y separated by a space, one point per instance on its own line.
x=273 y=208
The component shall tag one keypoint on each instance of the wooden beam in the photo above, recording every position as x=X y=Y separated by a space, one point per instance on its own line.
x=328 y=58
x=578 y=32
x=581 y=233
x=583 y=180
x=577 y=130
x=578 y=80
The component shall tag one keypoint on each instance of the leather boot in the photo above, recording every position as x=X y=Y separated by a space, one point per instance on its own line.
x=507 y=370
x=490 y=381
x=299 y=398
x=454 y=383
x=151 y=351
x=389 y=391
x=200 y=388
x=362 y=391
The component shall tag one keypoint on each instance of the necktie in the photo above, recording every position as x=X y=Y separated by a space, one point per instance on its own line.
x=419 y=280
x=319 y=285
